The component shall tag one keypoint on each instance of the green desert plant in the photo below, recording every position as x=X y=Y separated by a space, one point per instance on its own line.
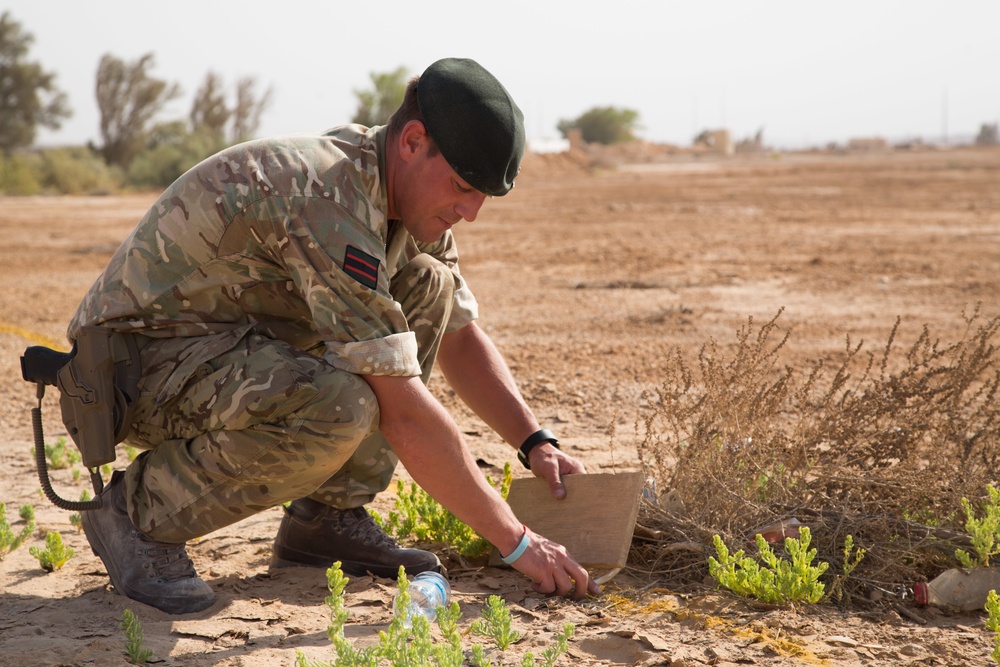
x=54 y=555
x=412 y=644
x=418 y=515
x=399 y=644
x=9 y=540
x=985 y=532
x=852 y=558
x=551 y=654
x=478 y=656
x=993 y=622
x=495 y=623
x=137 y=653
x=60 y=456
x=75 y=519
x=346 y=652
x=779 y=581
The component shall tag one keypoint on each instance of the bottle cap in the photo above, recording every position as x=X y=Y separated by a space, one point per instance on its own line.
x=920 y=592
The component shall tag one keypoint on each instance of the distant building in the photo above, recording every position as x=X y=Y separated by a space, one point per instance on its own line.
x=868 y=144
x=548 y=145
x=719 y=141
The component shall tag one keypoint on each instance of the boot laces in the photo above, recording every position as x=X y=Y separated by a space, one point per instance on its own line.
x=359 y=523
x=170 y=562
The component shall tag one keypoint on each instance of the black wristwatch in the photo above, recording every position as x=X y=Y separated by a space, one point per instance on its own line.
x=535 y=439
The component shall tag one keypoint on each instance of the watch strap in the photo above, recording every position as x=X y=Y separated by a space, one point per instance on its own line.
x=533 y=440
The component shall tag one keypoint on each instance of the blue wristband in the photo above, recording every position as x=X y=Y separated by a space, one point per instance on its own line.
x=522 y=546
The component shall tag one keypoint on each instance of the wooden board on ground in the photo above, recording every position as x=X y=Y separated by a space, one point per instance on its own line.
x=594 y=521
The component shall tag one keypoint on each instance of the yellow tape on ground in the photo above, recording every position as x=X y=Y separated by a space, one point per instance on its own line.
x=32 y=337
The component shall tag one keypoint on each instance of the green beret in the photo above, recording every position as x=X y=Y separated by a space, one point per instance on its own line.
x=474 y=122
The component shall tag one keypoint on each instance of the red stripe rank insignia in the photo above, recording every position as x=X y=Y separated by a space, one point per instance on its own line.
x=361 y=266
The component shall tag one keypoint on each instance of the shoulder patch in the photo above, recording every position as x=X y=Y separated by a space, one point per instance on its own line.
x=361 y=266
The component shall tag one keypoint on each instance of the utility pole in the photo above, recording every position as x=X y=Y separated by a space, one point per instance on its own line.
x=944 y=117
x=694 y=120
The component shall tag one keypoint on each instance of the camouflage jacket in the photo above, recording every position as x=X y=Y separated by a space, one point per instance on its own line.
x=287 y=237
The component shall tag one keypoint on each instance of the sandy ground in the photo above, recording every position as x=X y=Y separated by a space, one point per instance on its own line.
x=586 y=280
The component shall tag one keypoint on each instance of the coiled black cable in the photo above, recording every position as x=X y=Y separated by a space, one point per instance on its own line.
x=43 y=467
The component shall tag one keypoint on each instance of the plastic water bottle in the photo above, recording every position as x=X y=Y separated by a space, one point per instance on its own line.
x=428 y=591
x=965 y=589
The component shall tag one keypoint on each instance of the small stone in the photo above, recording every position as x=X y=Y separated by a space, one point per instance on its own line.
x=840 y=639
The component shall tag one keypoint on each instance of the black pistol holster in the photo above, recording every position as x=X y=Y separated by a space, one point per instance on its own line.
x=98 y=383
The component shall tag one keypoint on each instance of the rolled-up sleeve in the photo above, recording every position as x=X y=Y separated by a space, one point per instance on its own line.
x=465 y=308
x=395 y=354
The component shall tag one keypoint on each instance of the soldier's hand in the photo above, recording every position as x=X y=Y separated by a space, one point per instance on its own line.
x=553 y=570
x=551 y=464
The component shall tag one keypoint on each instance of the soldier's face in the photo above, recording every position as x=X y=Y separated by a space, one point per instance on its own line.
x=433 y=197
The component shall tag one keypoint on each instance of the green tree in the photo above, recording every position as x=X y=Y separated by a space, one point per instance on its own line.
x=28 y=95
x=170 y=150
x=603 y=125
x=128 y=98
x=376 y=104
x=248 y=109
x=209 y=111
x=212 y=115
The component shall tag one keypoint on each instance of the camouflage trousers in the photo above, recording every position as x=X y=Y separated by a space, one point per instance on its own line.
x=236 y=423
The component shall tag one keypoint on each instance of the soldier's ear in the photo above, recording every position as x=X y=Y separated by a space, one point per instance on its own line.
x=412 y=140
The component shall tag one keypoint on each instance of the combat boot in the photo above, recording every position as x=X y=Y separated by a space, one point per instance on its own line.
x=316 y=535
x=155 y=573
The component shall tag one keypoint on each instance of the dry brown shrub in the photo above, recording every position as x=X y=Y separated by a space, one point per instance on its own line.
x=878 y=446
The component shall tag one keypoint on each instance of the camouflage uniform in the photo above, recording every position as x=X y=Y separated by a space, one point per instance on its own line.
x=264 y=282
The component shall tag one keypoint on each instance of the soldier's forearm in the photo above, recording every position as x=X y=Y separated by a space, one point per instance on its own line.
x=477 y=372
x=429 y=444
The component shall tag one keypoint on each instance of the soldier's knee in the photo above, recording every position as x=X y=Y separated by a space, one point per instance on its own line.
x=345 y=408
x=427 y=275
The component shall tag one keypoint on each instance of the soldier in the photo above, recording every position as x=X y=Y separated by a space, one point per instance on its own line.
x=288 y=298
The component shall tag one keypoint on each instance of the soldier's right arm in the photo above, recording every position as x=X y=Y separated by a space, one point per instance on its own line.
x=429 y=443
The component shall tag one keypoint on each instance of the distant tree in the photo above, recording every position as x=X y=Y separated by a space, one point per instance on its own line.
x=988 y=135
x=128 y=98
x=248 y=109
x=171 y=148
x=209 y=112
x=603 y=125
x=378 y=103
x=28 y=95
x=213 y=116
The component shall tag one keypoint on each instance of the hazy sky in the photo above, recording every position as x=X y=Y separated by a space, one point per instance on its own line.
x=805 y=72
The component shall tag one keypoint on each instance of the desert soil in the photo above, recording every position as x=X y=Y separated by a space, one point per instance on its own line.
x=587 y=279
